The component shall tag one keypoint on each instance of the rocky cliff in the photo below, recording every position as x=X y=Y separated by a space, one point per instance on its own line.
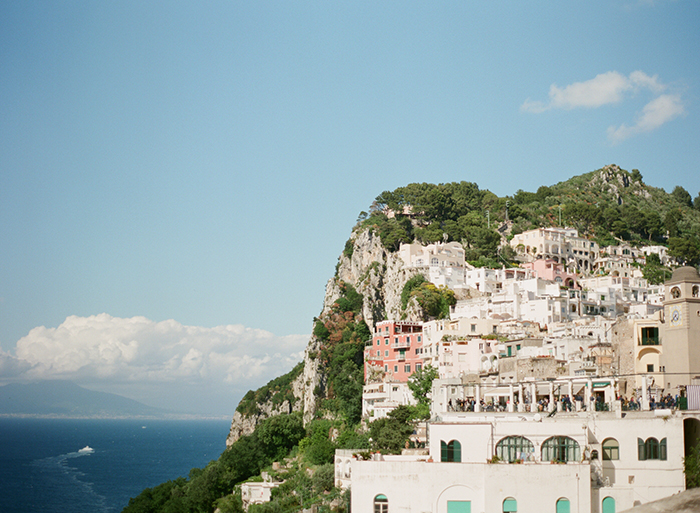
x=379 y=276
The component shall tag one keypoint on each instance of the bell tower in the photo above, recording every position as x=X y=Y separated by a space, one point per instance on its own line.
x=681 y=333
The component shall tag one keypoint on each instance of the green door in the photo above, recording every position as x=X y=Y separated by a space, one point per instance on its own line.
x=563 y=506
x=608 y=505
x=459 y=507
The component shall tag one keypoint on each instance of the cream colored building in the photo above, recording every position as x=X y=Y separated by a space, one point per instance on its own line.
x=563 y=245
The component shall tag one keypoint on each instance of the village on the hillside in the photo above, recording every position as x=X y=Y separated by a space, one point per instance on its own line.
x=568 y=384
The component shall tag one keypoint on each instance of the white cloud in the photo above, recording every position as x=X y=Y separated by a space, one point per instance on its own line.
x=155 y=360
x=611 y=88
x=655 y=113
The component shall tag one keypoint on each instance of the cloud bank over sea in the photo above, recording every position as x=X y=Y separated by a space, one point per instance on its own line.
x=191 y=369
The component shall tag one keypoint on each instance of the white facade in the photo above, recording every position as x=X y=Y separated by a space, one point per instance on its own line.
x=443 y=264
x=583 y=458
x=560 y=244
x=378 y=399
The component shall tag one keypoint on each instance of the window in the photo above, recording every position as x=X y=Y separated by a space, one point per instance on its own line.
x=651 y=449
x=386 y=341
x=381 y=504
x=450 y=452
x=563 y=506
x=650 y=367
x=459 y=507
x=396 y=368
x=419 y=338
x=407 y=367
x=386 y=353
x=513 y=448
x=396 y=340
x=418 y=366
x=608 y=505
x=378 y=341
x=473 y=328
x=510 y=505
x=650 y=336
x=696 y=291
x=611 y=449
x=675 y=292
x=379 y=353
x=560 y=448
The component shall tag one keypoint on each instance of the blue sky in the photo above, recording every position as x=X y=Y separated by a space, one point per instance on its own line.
x=204 y=162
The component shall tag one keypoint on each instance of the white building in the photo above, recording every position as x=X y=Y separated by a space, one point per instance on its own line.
x=443 y=264
x=595 y=462
x=378 y=399
x=563 y=245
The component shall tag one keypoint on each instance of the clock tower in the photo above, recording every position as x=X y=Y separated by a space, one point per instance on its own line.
x=680 y=359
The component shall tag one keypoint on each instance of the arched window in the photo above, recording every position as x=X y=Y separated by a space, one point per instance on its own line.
x=611 y=449
x=608 y=505
x=513 y=448
x=510 y=505
x=675 y=292
x=696 y=291
x=561 y=448
x=381 y=504
x=450 y=452
x=651 y=449
x=563 y=506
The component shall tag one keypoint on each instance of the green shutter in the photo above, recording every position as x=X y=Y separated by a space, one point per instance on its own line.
x=662 y=449
x=443 y=451
x=459 y=507
x=510 y=506
x=456 y=451
x=641 y=450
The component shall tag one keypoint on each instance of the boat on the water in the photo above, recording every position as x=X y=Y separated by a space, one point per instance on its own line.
x=87 y=448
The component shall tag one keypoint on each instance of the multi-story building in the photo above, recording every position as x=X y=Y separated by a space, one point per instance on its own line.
x=396 y=349
x=563 y=245
x=573 y=461
x=443 y=264
x=551 y=270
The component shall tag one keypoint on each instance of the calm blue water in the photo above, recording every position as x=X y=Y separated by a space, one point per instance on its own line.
x=42 y=470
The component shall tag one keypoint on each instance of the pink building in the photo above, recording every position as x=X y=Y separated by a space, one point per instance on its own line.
x=553 y=271
x=397 y=348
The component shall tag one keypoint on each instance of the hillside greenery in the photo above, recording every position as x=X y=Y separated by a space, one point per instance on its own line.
x=608 y=205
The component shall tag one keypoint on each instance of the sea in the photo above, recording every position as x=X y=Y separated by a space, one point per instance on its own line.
x=96 y=465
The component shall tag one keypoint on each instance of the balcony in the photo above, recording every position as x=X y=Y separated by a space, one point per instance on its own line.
x=401 y=345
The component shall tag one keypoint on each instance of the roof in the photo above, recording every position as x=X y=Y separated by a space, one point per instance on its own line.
x=683 y=502
x=684 y=274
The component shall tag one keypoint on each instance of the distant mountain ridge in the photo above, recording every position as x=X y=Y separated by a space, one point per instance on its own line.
x=64 y=398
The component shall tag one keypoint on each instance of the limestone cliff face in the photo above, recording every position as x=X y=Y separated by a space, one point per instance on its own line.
x=380 y=277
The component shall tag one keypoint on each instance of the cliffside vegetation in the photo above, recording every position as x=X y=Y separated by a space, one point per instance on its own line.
x=609 y=205
x=276 y=391
x=605 y=204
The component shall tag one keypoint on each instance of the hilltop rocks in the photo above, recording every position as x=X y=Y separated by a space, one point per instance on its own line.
x=613 y=180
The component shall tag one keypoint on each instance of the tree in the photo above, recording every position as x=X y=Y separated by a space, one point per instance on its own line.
x=691 y=467
x=653 y=271
x=682 y=196
x=685 y=249
x=421 y=383
x=389 y=434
